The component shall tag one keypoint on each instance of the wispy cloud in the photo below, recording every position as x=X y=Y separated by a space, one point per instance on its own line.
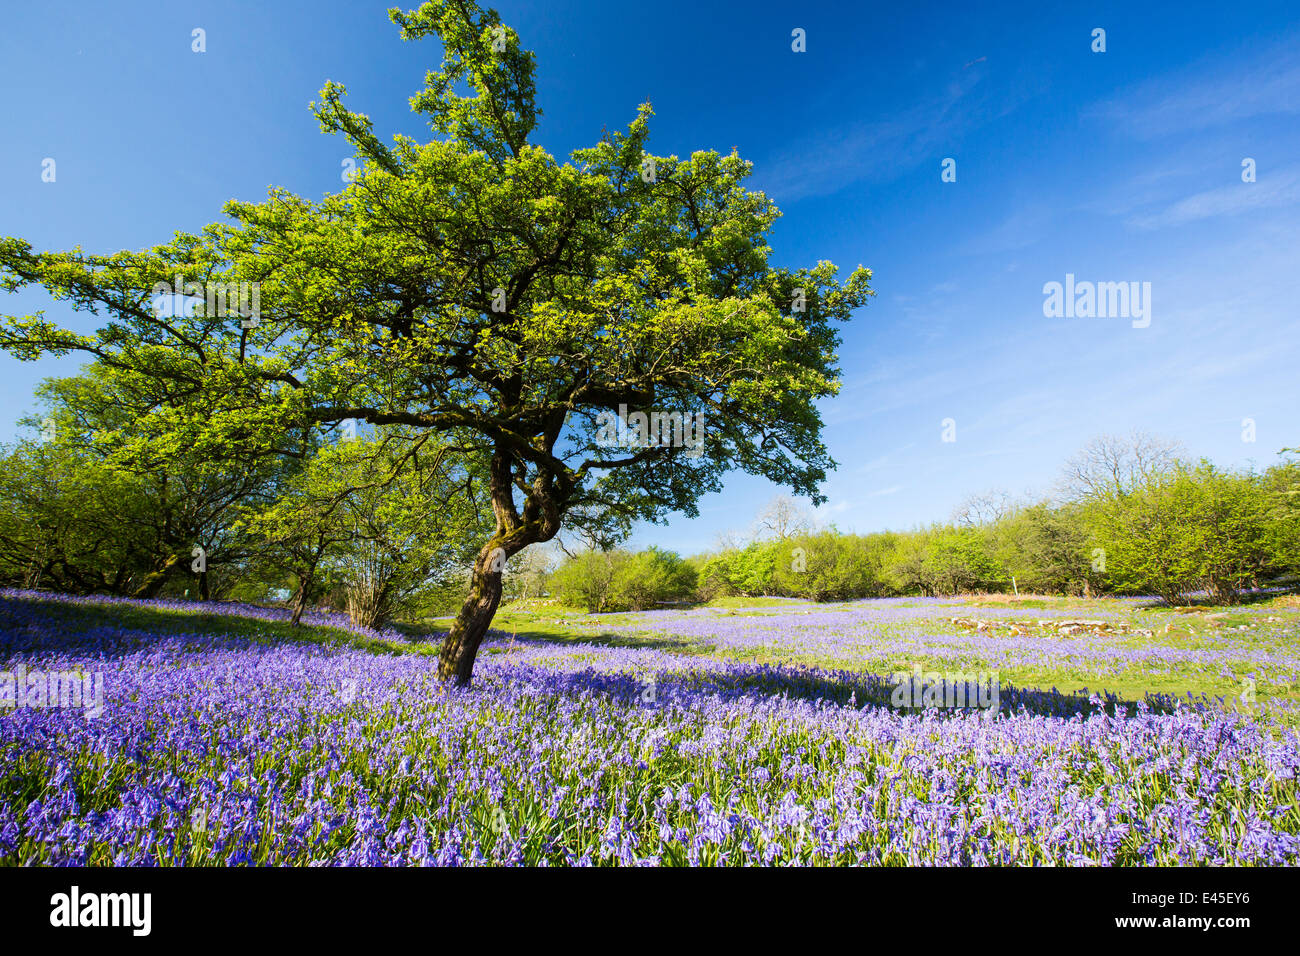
x=1226 y=88
x=880 y=493
x=883 y=149
x=1022 y=228
x=1280 y=188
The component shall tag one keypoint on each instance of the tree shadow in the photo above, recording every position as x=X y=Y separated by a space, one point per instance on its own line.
x=39 y=623
x=1202 y=599
x=533 y=637
x=737 y=683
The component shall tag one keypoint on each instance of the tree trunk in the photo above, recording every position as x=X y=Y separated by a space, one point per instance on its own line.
x=154 y=580
x=369 y=601
x=514 y=532
x=456 y=660
x=205 y=592
x=300 y=600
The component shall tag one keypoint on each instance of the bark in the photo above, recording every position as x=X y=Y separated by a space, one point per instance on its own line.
x=154 y=580
x=456 y=660
x=300 y=600
x=539 y=522
x=369 y=600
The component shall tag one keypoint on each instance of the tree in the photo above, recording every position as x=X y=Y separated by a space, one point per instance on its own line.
x=586 y=580
x=829 y=566
x=985 y=508
x=413 y=516
x=386 y=516
x=70 y=523
x=783 y=517
x=1281 y=485
x=88 y=520
x=1111 y=465
x=527 y=579
x=474 y=284
x=1047 y=549
x=652 y=577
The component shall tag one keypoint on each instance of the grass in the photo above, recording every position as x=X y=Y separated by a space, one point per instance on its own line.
x=1271 y=626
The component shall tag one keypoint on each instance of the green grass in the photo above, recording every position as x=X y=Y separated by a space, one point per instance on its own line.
x=753 y=602
x=1203 y=626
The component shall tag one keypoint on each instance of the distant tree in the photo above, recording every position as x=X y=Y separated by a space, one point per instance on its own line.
x=1195 y=527
x=651 y=578
x=728 y=540
x=985 y=508
x=527 y=577
x=713 y=575
x=829 y=566
x=1049 y=549
x=1112 y=465
x=783 y=517
x=1281 y=485
x=586 y=580
x=753 y=569
x=961 y=560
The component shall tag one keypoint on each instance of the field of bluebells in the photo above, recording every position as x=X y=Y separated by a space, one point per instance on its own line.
x=707 y=736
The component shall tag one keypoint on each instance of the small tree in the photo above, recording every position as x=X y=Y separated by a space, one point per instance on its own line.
x=652 y=577
x=1112 y=465
x=783 y=517
x=1049 y=549
x=1192 y=528
x=412 y=516
x=587 y=580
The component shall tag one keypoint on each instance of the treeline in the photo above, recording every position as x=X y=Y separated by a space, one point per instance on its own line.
x=1124 y=524
x=386 y=523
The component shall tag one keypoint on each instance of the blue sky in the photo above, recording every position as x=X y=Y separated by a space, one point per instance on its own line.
x=1115 y=166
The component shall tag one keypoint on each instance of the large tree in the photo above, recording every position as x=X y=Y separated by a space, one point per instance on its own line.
x=474 y=284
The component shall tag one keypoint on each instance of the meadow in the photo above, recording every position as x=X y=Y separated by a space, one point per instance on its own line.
x=751 y=731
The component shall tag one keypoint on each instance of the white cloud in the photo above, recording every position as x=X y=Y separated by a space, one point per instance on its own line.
x=1280 y=188
x=1225 y=88
x=880 y=493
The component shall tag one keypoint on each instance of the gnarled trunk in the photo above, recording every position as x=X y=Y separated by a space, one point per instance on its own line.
x=300 y=600
x=154 y=580
x=514 y=532
x=456 y=660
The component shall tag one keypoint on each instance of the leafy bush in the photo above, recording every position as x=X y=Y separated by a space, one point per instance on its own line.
x=624 y=581
x=650 y=578
x=1191 y=529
